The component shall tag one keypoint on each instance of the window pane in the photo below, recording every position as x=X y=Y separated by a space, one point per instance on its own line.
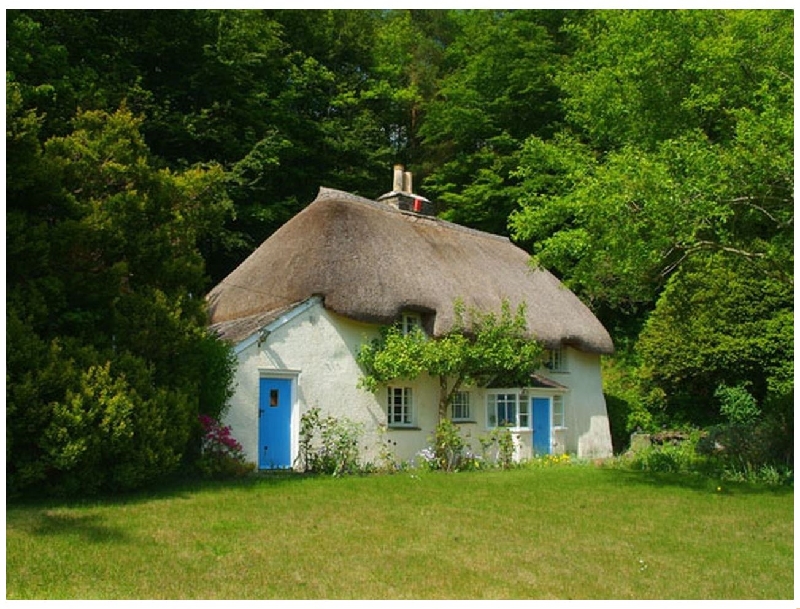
x=501 y=409
x=507 y=409
x=558 y=411
x=399 y=408
x=461 y=406
x=556 y=360
x=411 y=321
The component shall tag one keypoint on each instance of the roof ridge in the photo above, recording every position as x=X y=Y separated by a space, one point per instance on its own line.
x=326 y=193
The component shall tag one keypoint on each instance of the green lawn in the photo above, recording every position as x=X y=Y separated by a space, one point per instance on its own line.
x=555 y=533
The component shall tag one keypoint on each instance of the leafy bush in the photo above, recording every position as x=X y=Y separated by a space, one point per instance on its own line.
x=772 y=475
x=732 y=453
x=448 y=451
x=221 y=455
x=107 y=435
x=673 y=456
x=448 y=446
x=110 y=360
x=329 y=445
x=752 y=445
x=737 y=405
x=500 y=442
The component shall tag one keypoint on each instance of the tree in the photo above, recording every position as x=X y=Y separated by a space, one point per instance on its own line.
x=495 y=91
x=281 y=101
x=666 y=202
x=680 y=141
x=483 y=349
x=720 y=322
x=105 y=315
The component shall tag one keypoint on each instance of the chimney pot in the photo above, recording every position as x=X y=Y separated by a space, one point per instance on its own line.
x=397 y=183
x=407 y=182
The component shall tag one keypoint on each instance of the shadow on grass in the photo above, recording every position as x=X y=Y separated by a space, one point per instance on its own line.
x=695 y=482
x=89 y=527
x=176 y=487
x=42 y=516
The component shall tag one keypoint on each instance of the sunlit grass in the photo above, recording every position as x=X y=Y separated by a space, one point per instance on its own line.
x=559 y=532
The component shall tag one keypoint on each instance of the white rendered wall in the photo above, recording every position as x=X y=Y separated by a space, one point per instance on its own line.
x=317 y=350
x=587 y=432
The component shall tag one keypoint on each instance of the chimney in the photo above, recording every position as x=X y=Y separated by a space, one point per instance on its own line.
x=402 y=195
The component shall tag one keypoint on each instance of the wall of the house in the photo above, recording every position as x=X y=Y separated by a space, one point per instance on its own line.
x=317 y=350
x=588 y=433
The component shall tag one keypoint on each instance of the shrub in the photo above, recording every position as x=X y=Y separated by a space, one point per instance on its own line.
x=501 y=443
x=679 y=456
x=105 y=435
x=737 y=405
x=771 y=475
x=448 y=446
x=751 y=445
x=329 y=445
x=733 y=453
x=221 y=455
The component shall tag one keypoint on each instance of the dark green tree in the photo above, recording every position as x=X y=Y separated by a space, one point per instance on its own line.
x=105 y=312
x=496 y=90
x=720 y=322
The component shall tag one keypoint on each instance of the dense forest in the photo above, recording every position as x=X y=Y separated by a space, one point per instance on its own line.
x=644 y=157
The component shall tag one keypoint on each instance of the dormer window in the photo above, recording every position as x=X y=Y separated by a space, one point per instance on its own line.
x=556 y=360
x=410 y=321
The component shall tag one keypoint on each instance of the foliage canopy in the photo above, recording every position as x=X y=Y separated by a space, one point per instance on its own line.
x=480 y=349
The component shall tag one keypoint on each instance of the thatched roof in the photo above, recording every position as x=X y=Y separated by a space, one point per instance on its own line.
x=235 y=330
x=372 y=262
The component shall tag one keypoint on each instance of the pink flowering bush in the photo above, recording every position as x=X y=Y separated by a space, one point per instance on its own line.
x=221 y=455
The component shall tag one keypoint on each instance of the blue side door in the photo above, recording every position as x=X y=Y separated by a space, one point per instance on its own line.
x=274 y=423
x=540 y=407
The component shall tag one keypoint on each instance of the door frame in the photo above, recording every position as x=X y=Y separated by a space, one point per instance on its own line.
x=294 y=417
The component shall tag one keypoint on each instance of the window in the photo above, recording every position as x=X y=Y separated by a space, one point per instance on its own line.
x=399 y=407
x=502 y=410
x=524 y=413
x=459 y=410
x=559 y=419
x=410 y=321
x=556 y=360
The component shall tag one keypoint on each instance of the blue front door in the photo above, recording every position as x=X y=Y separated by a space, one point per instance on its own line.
x=274 y=423
x=540 y=407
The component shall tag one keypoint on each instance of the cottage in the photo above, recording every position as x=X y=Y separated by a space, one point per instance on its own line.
x=299 y=308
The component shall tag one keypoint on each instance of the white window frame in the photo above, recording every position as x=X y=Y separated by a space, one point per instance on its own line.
x=558 y=412
x=461 y=401
x=556 y=360
x=524 y=416
x=410 y=321
x=405 y=416
x=522 y=411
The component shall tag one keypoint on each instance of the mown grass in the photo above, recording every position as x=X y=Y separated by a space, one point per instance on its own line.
x=549 y=533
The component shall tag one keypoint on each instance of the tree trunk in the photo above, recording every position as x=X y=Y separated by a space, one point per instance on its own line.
x=445 y=394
